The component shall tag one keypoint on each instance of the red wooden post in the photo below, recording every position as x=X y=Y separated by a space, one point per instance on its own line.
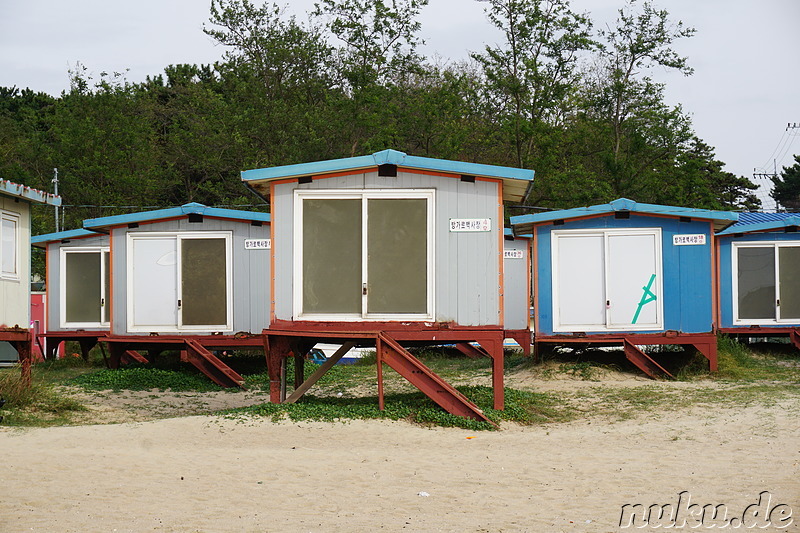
x=379 y=347
x=24 y=351
x=277 y=348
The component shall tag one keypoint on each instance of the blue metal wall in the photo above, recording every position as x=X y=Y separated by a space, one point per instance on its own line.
x=687 y=271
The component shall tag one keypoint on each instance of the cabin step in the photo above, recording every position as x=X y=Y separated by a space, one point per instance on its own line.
x=132 y=356
x=422 y=377
x=474 y=352
x=207 y=363
x=644 y=362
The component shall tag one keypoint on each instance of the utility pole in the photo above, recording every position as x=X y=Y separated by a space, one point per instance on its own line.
x=774 y=175
x=55 y=191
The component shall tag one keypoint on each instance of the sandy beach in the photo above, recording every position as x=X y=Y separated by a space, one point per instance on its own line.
x=209 y=474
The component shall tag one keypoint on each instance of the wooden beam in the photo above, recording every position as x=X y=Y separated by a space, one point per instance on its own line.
x=313 y=378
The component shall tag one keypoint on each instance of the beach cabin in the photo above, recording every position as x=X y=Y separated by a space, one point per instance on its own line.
x=759 y=276
x=391 y=250
x=77 y=300
x=15 y=266
x=625 y=273
x=517 y=289
x=191 y=278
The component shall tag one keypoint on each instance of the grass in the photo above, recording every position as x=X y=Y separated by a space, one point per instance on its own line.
x=748 y=375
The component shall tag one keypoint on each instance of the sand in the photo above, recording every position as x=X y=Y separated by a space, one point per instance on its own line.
x=209 y=474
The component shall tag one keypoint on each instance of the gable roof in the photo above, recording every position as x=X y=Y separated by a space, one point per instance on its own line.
x=9 y=188
x=754 y=222
x=40 y=241
x=104 y=223
x=516 y=181
x=523 y=224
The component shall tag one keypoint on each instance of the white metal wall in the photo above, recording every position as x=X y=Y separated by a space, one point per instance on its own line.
x=466 y=265
x=15 y=294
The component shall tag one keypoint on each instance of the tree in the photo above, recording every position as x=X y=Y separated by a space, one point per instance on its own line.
x=786 y=187
x=529 y=80
x=380 y=38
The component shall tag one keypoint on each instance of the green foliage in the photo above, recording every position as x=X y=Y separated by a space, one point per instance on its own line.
x=33 y=405
x=140 y=378
x=351 y=81
x=521 y=407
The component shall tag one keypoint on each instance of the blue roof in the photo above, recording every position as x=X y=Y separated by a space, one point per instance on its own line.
x=516 y=180
x=41 y=240
x=752 y=222
x=16 y=190
x=174 y=212
x=524 y=223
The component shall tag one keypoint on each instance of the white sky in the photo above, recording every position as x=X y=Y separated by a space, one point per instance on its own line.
x=746 y=56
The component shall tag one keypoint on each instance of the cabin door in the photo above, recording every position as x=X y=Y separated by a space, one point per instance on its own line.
x=85 y=292
x=364 y=256
x=606 y=280
x=180 y=282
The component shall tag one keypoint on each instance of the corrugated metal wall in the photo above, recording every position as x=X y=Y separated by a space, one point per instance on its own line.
x=516 y=275
x=54 y=278
x=251 y=272
x=466 y=265
x=15 y=294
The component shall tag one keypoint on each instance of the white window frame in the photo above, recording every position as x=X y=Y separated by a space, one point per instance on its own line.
x=606 y=232
x=179 y=236
x=62 y=293
x=15 y=218
x=776 y=245
x=363 y=195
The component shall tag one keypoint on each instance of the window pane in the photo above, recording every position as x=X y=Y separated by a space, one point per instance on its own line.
x=789 y=269
x=633 y=280
x=581 y=281
x=756 y=267
x=9 y=246
x=155 y=286
x=82 y=292
x=204 y=282
x=331 y=256
x=397 y=261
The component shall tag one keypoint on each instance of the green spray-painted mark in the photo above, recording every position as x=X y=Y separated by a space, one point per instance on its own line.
x=647 y=297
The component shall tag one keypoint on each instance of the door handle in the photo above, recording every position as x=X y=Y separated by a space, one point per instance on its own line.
x=102 y=302
x=364 y=289
x=179 y=304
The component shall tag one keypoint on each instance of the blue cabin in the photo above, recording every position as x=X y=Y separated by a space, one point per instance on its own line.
x=759 y=269
x=625 y=271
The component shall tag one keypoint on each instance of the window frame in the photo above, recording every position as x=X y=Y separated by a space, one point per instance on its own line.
x=105 y=307
x=15 y=218
x=606 y=232
x=179 y=236
x=364 y=195
x=776 y=246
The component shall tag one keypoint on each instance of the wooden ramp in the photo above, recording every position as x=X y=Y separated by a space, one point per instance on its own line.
x=422 y=377
x=643 y=361
x=207 y=363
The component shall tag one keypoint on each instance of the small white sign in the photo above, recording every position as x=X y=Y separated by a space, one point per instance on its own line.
x=513 y=254
x=684 y=240
x=470 y=224
x=258 y=244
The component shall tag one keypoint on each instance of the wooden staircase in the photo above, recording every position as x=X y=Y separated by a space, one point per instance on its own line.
x=422 y=377
x=207 y=363
x=643 y=361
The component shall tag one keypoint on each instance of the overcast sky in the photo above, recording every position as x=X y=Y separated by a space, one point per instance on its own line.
x=746 y=56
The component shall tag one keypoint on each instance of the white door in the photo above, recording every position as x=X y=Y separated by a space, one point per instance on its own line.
x=632 y=281
x=579 y=286
x=605 y=280
x=154 y=283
